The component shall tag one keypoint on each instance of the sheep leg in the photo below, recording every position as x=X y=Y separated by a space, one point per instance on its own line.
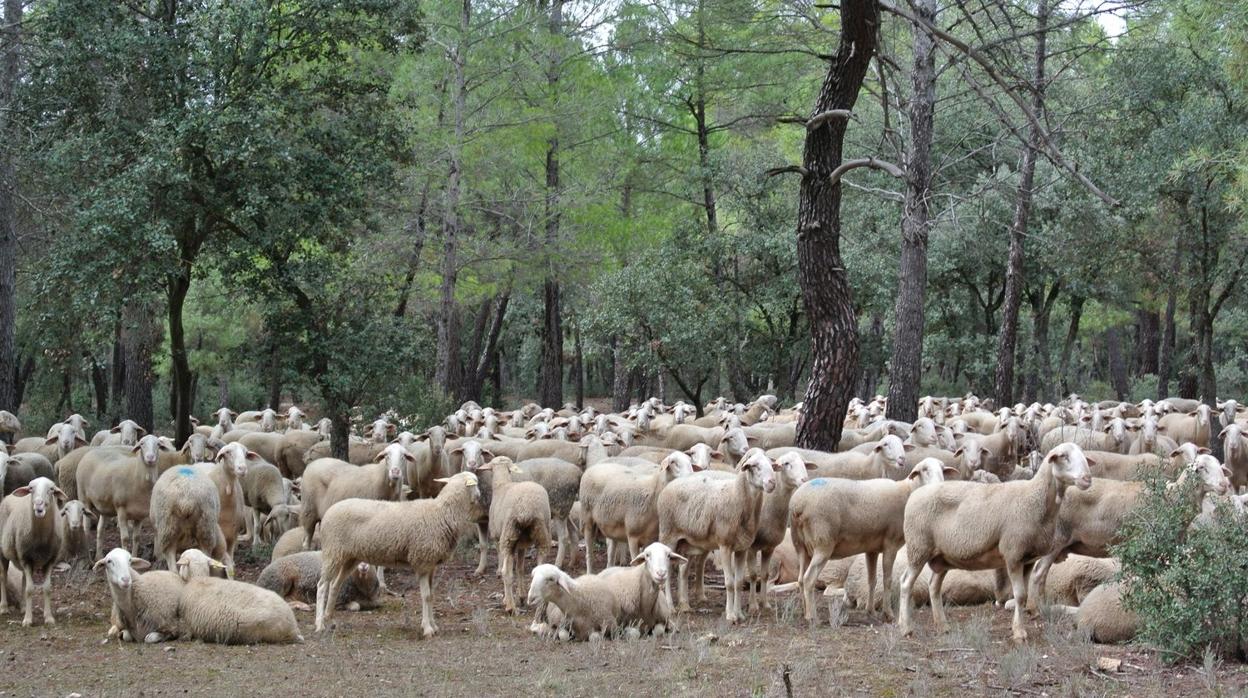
x=587 y=533
x=764 y=573
x=682 y=587
x=507 y=560
x=326 y=591
x=561 y=534
x=483 y=545
x=699 y=577
x=47 y=598
x=1019 y=581
x=4 y=588
x=610 y=551
x=807 y=577
x=872 y=559
x=99 y=538
x=934 y=591
x=890 y=556
x=913 y=568
x=426 y=605
x=741 y=562
x=1039 y=577
x=28 y=590
x=123 y=528
x=731 y=581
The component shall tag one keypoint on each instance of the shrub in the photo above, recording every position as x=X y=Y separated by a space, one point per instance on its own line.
x=1189 y=585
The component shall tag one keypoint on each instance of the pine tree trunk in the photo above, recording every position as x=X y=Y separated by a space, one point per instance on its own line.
x=140 y=334
x=821 y=272
x=905 y=369
x=578 y=369
x=180 y=388
x=10 y=76
x=1008 y=338
x=118 y=379
x=619 y=377
x=447 y=352
x=1165 y=359
x=1072 y=333
x=1117 y=366
x=99 y=385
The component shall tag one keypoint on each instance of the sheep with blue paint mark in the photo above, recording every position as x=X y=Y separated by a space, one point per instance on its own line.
x=186 y=506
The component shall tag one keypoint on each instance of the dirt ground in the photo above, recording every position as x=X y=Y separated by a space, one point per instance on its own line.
x=481 y=651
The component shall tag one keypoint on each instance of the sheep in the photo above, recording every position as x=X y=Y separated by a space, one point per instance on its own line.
x=1150 y=440
x=225 y=418
x=9 y=423
x=292 y=542
x=294 y=418
x=277 y=522
x=562 y=481
x=66 y=440
x=967 y=525
x=598 y=605
x=835 y=518
x=1104 y=617
x=358 y=452
x=1235 y=453
x=32 y=537
x=1088 y=521
x=227 y=472
x=619 y=499
x=709 y=513
x=263 y=488
x=77 y=546
x=119 y=482
x=186 y=510
x=960 y=588
x=1086 y=439
x=145 y=606
x=328 y=481
x=1070 y=581
x=234 y=613
x=428 y=450
x=380 y=430
x=887 y=458
x=67 y=470
x=420 y=533
x=773 y=522
x=126 y=433
x=18 y=470
x=1116 y=466
x=294 y=577
x=1194 y=426
x=519 y=518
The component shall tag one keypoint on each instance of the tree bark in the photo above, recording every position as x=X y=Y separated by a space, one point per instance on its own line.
x=821 y=274
x=905 y=369
x=180 y=388
x=697 y=107
x=10 y=75
x=118 y=379
x=1041 y=369
x=551 y=393
x=578 y=368
x=99 y=385
x=1165 y=360
x=619 y=377
x=223 y=390
x=1072 y=333
x=275 y=374
x=1117 y=366
x=1008 y=338
x=486 y=357
x=1146 y=344
x=447 y=352
x=140 y=333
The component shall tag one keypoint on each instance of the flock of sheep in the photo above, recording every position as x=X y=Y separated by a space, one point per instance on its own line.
x=965 y=504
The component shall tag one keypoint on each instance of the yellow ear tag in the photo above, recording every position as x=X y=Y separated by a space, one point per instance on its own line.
x=470 y=481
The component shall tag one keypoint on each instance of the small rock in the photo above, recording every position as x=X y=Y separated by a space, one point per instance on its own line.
x=170 y=649
x=1108 y=664
x=74 y=695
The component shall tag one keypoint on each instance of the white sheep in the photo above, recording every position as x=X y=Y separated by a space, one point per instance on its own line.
x=234 y=613
x=294 y=577
x=145 y=606
x=968 y=525
x=329 y=480
x=186 y=508
x=773 y=521
x=835 y=518
x=519 y=519
x=32 y=537
x=420 y=534
x=227 y=472
x=118 y=482
x=709 y=513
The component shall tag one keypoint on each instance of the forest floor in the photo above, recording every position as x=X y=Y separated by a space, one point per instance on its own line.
x=481 y=651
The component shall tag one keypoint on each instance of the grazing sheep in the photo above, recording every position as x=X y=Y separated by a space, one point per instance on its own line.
x=834 y=518
x=773 y=521
x=277 y=522
x=1088 y=521
x=263 y=489
x=186 y=510
x=519 y=518
x=32 y=537
x=710 y=513
x=294 y=577
x=421 y=534
x=968 y=525
x=145 y=606
x=234 y=613
x=118 y=482
x=328 y=481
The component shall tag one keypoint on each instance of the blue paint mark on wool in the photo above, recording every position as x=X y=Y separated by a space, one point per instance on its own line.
x=186 y=471
x=819 y=482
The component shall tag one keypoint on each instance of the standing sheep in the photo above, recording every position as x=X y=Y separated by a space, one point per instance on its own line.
x=773 y=522
x=519 y=518
x=421 y=534
x=32 y=537
x=968 y=525
x=227 y=472
x=328 y=481
x=117 y=482
x=709 y=513
x=186 y=509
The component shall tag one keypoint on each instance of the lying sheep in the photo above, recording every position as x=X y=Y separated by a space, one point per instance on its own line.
x=421 y=534
x=294 y=577
x=968 y=525
x=717 y=514
x=519 y=519
x=834 y=518
x=145 y=606
x=292 y=542
x=234 y=613
x=599 y=605
x=1104 y=617
x=186 y=510
x=960 y=588
x=32 y=537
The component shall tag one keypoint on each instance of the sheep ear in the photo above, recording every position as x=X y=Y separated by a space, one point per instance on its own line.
x=141 y=430
x=380 y=457
x=138 y=564
x=489 y=455
x=1227 y=472
x=1202 y=450
x=457 y=451
x=60 y=495
x=443 y=480
x=135 y=449
x=1222 y=434
x=1089 y=459
x=115 y=430
x=915 y=474
x=1176 y=453
x=408 y=456
x=216 y=564
x=50 y=441
x=21 y=491
x=751 y=440
x=1161 y=428
x=951 y=472
x=908 y=447
x=79 y=441
x=98 y=564
x=958 y=436
x=640 y=557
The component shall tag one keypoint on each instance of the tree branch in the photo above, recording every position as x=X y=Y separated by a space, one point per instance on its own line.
x=788 y=168
x=864 y=162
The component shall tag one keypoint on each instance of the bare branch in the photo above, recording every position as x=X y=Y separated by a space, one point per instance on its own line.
x=1050 y=150
x=825 y=116
x=798 y=169
x=864 y=162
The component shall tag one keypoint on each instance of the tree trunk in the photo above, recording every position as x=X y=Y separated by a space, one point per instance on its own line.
x=821 y=272
x=619 y=377
x=1146 y=344
x=340 y=431
x=223 y=390
x=118 y=379
x=486 y=358
x=275 y=374
x=99 y=385
x=10 y=75
x=551 y=393
x=871 y=353
x=1117 y=367
x=697 y=108
x=180 y=387
x=140 y=333
x=1042 y=365
x=1008 y=338
x=447 y=352
x=905 y=369
x=578 y=368
x=1072 y=333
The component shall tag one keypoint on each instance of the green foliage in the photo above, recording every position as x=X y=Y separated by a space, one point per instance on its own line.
x=1189 y=584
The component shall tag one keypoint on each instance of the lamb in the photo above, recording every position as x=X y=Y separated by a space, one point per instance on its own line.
x=601 y=604
x=32 y=537
x=835 y=518
x=420 y=533
x=234 y=613
x=186 y=509
x=709 y=513
x=328 y=481
x=1088 y=521
x=145 y=606
x=294 y=577
x=519 y=518
x=773 y=523
x=967 y=525
x=619 y=499
x=119 y=482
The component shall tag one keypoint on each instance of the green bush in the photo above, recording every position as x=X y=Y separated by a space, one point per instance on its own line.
x=1189 y=585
